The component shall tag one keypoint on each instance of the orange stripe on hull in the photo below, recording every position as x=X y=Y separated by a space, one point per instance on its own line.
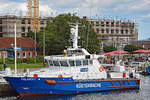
x=45 y=94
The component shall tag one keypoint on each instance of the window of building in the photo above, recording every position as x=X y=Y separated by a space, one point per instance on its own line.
x=102 y=30
x=107 y=24
x=1 y=29
x=122 y=31
x=102 y=24
x=112 y=31
x=131 y=31
x=126 y=31
x=5 y=54
x=97 y=30
x=112 y=24
x=23 y=22
x=1 y=22
x=23 y=35
x=29 y=29
x=97 y=23
x=41 y=28
x=30 y=54
x=92 y=22
x=18 y=54
x=24 y=54
x=29 y=21
x=42 y=22
x=107 y=30
x=117 y=24
x=117 y=31
x=22 y=29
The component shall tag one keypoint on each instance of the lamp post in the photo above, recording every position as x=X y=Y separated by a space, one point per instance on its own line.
x=15 y=50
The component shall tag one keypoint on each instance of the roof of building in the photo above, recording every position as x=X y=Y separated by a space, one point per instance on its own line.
x=144 y=40
x=8 y=42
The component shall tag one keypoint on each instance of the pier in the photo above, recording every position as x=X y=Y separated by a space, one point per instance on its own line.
x=6 y=90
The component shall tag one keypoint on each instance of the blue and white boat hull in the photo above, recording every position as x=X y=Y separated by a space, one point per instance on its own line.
x=31 y=86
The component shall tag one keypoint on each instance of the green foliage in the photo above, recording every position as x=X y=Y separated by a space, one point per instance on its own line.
x=140 y=47
x=109 y=48
x=30 y=60
x=39 y=59
x=130 y=48
x=23 y=65
x=57 y=35
x=1 y=61
x=19 y=61
x=30 y=34
x=9 y=60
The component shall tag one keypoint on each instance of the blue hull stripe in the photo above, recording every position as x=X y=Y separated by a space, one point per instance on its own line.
x=38 y=86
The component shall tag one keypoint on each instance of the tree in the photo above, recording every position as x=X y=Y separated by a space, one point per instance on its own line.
x=130 y=48
x=140 y=47
x=30 y=34
x=57 y=35
x=109 y=48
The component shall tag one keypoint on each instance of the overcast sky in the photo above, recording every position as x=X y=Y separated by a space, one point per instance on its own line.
x=135 y=10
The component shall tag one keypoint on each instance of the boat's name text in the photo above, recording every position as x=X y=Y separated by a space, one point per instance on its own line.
x=88 y=85
x=27 y=79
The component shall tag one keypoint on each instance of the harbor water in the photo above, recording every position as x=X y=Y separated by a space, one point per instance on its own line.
x=142 y=94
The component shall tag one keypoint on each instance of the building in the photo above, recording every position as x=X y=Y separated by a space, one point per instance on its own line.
x=23 y=25
x=26 y=47
x=113 y=32
x=142 y=43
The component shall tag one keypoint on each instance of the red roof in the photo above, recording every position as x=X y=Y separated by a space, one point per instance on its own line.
x=5 y=42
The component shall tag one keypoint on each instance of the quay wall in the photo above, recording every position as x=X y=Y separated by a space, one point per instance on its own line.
x=6 y=90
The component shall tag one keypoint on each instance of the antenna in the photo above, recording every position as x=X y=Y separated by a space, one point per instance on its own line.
x=74 y=35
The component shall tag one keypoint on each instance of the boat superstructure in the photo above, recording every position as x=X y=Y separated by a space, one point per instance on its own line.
x=75 y=71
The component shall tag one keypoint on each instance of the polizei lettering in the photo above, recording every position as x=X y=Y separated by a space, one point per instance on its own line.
x=88 y=85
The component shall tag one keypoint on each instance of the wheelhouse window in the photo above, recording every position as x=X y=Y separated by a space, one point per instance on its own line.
x=71 y=62
x=91 y=62
x=64 y=63
x=78 y=63
x=51 y=63
x=85 y=62
x=56 y=63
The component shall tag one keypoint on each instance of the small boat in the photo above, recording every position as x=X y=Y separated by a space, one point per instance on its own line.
x=74 y=72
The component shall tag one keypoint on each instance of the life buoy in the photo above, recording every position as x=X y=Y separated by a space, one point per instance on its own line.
x=35 y=75
x=101 y=69
x=60 y=76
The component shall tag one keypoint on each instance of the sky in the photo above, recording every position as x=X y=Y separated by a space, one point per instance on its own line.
x=134 y=10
